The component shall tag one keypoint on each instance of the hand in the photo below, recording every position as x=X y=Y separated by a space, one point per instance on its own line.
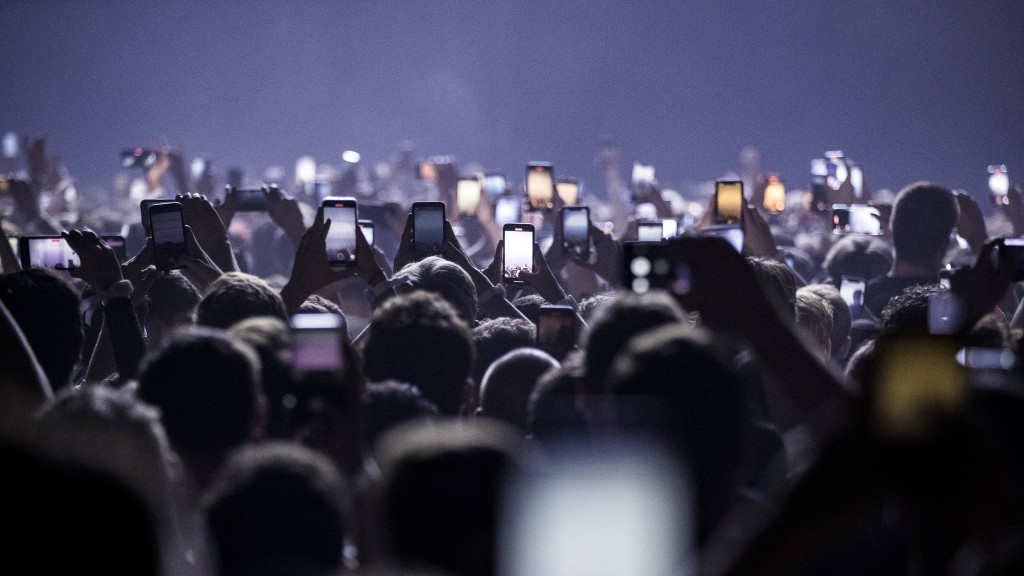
x=284 y=211
x=493 y=270
x=310 y=271
x=556 y=255
x=607 y=256
x=982 y=285
x=140 y=272
x=99 y=265
x=227 y=207
x=155 y=172
x=406 y=252
x=209 y=230
x=543 y=280
x=971 y=224
x=758 y=240
x=196 y=265
x=447 y=181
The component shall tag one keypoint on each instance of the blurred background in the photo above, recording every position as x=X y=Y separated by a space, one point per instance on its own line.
x=912 y=90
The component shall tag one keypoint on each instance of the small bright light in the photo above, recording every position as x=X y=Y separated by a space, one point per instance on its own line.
x=305 y=170
x=640 y=266
x=350 y=156
x=998 y=182
x=857 y=180
x=641 y=285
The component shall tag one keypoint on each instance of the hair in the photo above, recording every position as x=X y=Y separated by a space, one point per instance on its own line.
x=508 y=384
x=923 y=216
x=390 y=403
x=46 y=308
x=779 y=283
x=587 y=306
x=270 y=337
x=418 y=338
x=317 y=304
x=235 y=296
x=623 y=316
x=206 y=385
x=446 y=279
x=529 y=305
x=172 y=298
x=841 y=319
x=814 y=318
x=857 y=256
x=277 y=508
x=552 y=414
x=907 y=312
x=494 y=337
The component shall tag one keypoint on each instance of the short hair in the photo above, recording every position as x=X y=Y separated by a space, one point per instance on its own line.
x=317 y=304
x=171 y=298
x=277 y=505
x=552 y=414
x=389 y=404
x=418 y=338
x=445 y=278
x=814 y=318
x=907 y=312
x=529 y=305
x=841 y=318
x=923 y=217
x=858 y=256
x=206 y=385
x=508 y=384
x=270 y=337
x=235 y=296
x=779 y=283
x=495 y=337
x=46 y=308
x=587 y=306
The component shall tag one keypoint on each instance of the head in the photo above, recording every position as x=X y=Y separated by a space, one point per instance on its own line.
x=923 y=217
x=391 y=403
x=206 y=385
x=779 y=282
x=45 y=306
x=317 y=304
x=495 y=337
x=276 y=508
x=841 y=320
x=552 y=414
x=814 y=320
x=907 y=313
x=857 y=256
x=418 y=338
x=446 y=279
x=170 y=306
x=236 y=296
x=508 y=384
x=270 y=337
x=529 y=305
x=587 y=306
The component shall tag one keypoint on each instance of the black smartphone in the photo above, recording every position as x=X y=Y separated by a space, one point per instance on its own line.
x=144 y=206
x=1011 y=257
x=517 y=251
x=342 y=211
x=649 y=265
x=47 y=251
x=494 y=184
x=317 y=342
x=568 y=190
x=367 y=227
x=540 y=186
x=556 y=330
x=856 y=219
x=508 y=209
x=252 y=199
x=427 y=228
x=116 y=243
x=137 y=158
x=576 y=232
x=729 y=201
x=235 y=177
x=650 y=231
x=468 y=191
x=168 y=232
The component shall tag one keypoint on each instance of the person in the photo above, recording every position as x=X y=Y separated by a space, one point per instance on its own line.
x=420 y=339
x=814 y=319
x=923 y=217
x=271 y=339
x=857 y=256
x=389 y=404
x=170 y=305
x=274 y=509
x=839 y=338
x=495 y=337
x=553 y=418
x=509 y=382
x=445 y=278
x=236 y=296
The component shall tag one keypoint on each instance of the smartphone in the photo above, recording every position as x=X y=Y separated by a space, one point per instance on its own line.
x=427 y=228
x=517 y=254
x=508 y=209
x=252 y=200
x=649 y=265
x=1011 y=257
x=556 y=330
x=856 y=179
x=856 y=219
x=426 y=171
x=650 y=231
x=494 y=184
x=168 y=232
x=568 y=190
x=999 y=184
x=643 y=175
x=317 y=342
x=144 y=206
x=729 y=201
x=576 y=232
x=116 y=243
x=731 y=232
x=367 y=227
x=669 y=227
x=137 y=158
x=341 y=238
x=774 y=195
x=819 y=187
x=851 y=288
x=49 y=251
x=836 y=170
x=467 y=195
x=540 y=186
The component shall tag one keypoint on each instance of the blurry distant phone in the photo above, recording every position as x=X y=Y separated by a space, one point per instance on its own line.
x=116 y=244
x=576 y=232
x=669 y=227
x=650 y=231
x=517 y=251
x=168 y=232
x=856 y=179
x=426 y=171
x=917 y=383
x=556 y=330
x=367 y=227
x=540 y=186
x=999 y=184
x=729 y=201
x=11 y=146
x=252 y=200
x=494 y=184
x=50 y=251
x=428 y=228
x=851 y=289
x=836 y=170
x=856 y=219
x=731 y=232
x=649 y=265
x=144 y=206
x=317 y=342
x=341 y=238
x=568 y=190
x=467 y=195
x=200 y=168
x=643 y=175
x=137 y=158
x=508 y=209
x=819 y=187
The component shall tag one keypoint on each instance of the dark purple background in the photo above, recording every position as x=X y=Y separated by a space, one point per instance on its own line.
x=911 y=89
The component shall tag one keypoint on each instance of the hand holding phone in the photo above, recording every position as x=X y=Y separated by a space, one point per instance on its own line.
x=138 y=158
x=576 y=232
x=47 y=251
x=251 y=199
x=729 y=201
x=517 y=252
x=568 y=190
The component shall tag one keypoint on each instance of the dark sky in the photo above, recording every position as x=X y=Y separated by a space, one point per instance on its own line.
x=914 y=89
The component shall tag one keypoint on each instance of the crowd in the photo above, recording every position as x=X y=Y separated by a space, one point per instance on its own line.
x=818 y=401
